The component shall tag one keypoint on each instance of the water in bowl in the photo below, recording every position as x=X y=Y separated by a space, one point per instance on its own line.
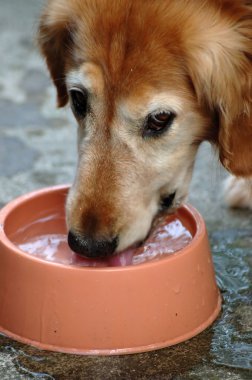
x=167 y=236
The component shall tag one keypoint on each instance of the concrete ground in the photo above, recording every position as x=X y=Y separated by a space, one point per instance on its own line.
x=37 y=149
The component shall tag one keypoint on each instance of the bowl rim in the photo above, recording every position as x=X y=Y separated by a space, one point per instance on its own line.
x=22 y=199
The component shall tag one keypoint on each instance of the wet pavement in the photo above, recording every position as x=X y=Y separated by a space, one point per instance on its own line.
x=37 y=149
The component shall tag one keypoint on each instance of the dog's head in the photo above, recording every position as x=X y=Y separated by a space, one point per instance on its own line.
x=147 y=82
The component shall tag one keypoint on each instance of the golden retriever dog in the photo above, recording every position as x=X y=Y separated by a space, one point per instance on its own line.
x=148 y=81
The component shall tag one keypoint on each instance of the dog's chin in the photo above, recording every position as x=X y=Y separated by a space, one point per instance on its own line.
x=176 y=203
x=167 y=202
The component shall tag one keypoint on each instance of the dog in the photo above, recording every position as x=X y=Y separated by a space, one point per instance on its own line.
x=148 y=81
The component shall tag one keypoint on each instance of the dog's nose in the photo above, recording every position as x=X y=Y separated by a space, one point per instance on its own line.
x=92 y=248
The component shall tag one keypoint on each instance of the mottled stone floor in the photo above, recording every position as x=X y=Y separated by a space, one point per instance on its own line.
x=37 y=148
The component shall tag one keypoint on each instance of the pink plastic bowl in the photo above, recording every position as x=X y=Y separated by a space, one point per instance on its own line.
x=103 y=311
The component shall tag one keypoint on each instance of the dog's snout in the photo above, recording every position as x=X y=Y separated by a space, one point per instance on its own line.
x=90 y=247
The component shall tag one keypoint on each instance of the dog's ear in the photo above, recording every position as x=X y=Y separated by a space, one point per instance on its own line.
x=55 y=39
x=220 y=65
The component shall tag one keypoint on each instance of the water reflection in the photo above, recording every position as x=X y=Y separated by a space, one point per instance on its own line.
x=16 y=370
x=232 y=340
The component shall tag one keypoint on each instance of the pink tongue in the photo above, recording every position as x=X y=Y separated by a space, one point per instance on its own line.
x=121 y=259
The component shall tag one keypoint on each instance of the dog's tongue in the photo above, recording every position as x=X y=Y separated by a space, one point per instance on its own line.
x=121 y=259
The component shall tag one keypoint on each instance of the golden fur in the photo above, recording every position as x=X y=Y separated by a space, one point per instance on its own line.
x=192 y=57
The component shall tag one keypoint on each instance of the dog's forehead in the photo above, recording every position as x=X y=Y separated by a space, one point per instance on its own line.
x=130 y=49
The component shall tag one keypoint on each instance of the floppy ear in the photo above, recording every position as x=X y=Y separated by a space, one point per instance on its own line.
x=55 y=41
x=220 y=64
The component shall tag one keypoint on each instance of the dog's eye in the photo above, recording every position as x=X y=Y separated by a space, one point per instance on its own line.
x=79 y=102
x=158 y=123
